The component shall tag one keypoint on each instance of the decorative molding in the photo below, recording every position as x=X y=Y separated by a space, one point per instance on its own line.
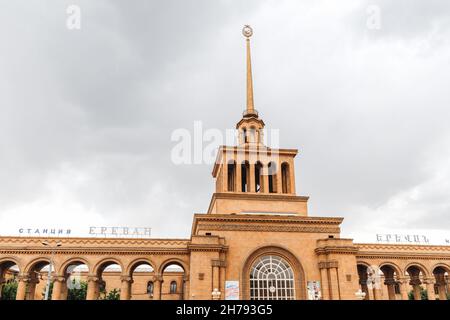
x=403 y=247
x=96 y=251
x=259 y=196
x=258 y=218
x=68 y=241
x=126 y=278
x=267 y=228
x=402 y=256
x=328 y=264
x=208 y=247
x=218 y=263
x=336 y=250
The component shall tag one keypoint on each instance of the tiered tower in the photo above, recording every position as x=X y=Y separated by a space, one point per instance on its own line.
x=252 y=178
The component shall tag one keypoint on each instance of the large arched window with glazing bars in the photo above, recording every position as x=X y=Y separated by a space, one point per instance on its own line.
x=272 y=278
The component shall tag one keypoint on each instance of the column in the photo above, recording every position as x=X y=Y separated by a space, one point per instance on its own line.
x=157 y=285
x=238 y=187
x=371 y=295
x=222 y=272
x=265 y=178
x=430 y=288
x=185 y=287
x=31 y=288
x=215 y=276
x=125 y=289
x=292 y=176
x=57 y=286
x=390 y=283
x=278 y=177
x=64 y=291
x=225 y=173
x=22 y=286
x=324 y=281
x=334 y=281
x=440 y=281
x=416 y=291
x=92 y=288
x=403 y=283
x=252 y=176
x=376 y=293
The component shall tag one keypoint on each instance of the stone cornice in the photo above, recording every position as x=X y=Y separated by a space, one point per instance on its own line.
x=95 y=251
x=208 y=247
x=336 y=250
x=107 y=242
x=265 y=223
x=373 y=247
x=402 y=255
x=255 y=196
x=335 y=221
x=258 y=196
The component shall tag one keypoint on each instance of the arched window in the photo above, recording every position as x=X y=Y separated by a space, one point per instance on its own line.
x=272 y=278
x=258 y=176
x=173 y=287
x=272 y=168
x=244 y=135
x=245 y=176
x=150 y=287
x=285 y=178
x=231 y=175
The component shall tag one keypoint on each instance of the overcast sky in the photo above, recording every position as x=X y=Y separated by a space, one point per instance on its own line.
x=86 y=116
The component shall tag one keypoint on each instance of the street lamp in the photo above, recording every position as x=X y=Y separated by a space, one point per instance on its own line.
x=50 y=267
x=216 y=294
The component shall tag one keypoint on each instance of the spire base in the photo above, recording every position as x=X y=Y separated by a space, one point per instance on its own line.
x=250 y=114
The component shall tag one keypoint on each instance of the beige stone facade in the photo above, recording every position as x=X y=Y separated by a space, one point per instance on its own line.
x=257 y=234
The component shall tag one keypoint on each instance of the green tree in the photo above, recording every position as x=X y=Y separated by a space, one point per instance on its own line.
x=77 y=292
x=114 y=294
x=423 y=294
x=9 y=291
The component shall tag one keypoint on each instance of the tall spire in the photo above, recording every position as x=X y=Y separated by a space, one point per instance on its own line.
x=250 y=111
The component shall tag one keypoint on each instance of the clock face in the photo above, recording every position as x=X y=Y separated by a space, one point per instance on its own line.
x=247 y=31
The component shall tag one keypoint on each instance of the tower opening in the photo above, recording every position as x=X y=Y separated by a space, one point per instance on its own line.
x=231 y=176
x=272 y=168
x=285 y=178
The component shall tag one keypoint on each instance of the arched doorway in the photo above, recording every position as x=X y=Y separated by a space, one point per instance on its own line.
x=441 y=274
x=142 y=281
x=107 y=281
x=272 y=278
x=9 y=272
x=273 y=273
x=173 y=282
x=391 y=281
x=38 y=280
x=363 y=277
x=416 y=275
x=74 y=281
